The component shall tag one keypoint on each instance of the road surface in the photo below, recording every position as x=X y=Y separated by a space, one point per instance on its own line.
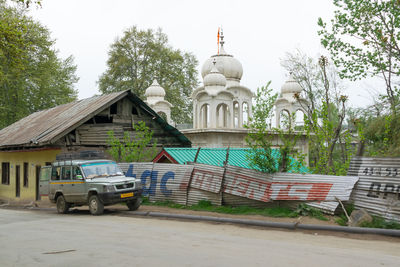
x=44 y=238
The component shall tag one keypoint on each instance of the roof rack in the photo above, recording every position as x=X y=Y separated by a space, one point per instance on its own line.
x=87 y=154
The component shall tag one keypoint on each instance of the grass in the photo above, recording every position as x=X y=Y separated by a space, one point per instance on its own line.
x=379 y=222
x=205 y=205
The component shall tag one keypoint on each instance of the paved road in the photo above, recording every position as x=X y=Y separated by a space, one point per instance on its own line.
x=39 y=238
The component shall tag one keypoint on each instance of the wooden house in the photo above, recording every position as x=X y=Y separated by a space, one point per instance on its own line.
x=35 y=140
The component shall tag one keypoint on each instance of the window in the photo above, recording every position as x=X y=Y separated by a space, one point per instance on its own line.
x=114 y=108
x=55 y=173
x=5 y=172
x=26 y=173
x=76 y=171
x=66 y=173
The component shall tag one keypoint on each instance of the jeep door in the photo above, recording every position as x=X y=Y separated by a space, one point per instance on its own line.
x=78 y=185
x=55 y=184
x=72 y=187
x=45 y=174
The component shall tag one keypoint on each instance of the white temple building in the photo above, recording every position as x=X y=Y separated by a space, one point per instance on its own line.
x=290 y=102
x=155 y=98
x=222 y=106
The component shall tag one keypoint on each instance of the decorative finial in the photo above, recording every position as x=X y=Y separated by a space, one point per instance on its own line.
x=218 y=40
x=222 y=39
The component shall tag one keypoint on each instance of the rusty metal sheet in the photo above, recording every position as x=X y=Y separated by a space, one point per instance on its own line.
x=236 y=201
x=44 y=126
x=195 y=195
x=171 y=183
x=207 y=177
x=287 y=186
x=161 y=181
x=378 y=190
x=188 y=184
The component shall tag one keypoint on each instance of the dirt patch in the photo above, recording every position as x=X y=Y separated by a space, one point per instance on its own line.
x=302 y=220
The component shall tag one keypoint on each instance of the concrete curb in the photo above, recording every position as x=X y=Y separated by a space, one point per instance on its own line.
x=290 y=226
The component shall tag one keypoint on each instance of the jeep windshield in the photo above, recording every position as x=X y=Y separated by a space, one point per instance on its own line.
x=101 y=169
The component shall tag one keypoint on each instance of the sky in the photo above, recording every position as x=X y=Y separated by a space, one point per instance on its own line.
x=257 y=33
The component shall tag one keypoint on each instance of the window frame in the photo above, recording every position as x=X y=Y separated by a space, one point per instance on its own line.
x=26 y=174
x=5 y=173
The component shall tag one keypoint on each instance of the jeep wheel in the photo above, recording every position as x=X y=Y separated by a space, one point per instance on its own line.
x=95 y=205
x=62 y=205
x=134 y=204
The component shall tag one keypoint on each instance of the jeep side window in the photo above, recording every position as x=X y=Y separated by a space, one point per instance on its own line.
x=55 y=173
x=76 y=171
x=66 y=173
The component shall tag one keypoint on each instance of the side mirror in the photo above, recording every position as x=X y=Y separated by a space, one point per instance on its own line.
x=79 y=177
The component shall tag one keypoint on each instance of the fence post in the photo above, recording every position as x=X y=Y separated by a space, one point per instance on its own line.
x=191 y=176
x=221 y=190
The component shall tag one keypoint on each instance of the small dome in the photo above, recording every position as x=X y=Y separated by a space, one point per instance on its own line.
x=291 y=86
x=155 y=90
x=214 y=78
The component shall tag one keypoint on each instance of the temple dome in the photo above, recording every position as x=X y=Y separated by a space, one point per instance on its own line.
x=291 y=86
x=226 y=64
x=214 y=78
x=155 y=90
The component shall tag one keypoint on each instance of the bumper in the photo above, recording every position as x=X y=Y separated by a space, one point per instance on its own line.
x=120 y=196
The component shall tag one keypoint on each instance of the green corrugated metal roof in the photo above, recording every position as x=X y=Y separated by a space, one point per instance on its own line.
x=217 y=156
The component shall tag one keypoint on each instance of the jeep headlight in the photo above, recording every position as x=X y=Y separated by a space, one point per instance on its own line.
x=108 y=188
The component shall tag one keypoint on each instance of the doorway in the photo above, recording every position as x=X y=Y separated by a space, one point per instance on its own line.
x=17 y=181
x=37 y=178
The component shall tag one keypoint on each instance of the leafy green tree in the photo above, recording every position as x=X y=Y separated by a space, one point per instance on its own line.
x=364 y=40
x=261 y=135
x=325 y=112
x=135 y=147
x=259 y=138
x=142 y=55
x=32 y=77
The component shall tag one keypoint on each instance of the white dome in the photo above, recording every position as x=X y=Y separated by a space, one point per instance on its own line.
x=291 y=86
x=226 y=64
x=214 y=78
x=155 y=90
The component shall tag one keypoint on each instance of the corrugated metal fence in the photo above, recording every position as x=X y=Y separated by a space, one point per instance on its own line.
x=378 y=190
x=188 y=184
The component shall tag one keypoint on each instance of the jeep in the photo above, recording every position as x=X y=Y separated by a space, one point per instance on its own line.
x=96 y=183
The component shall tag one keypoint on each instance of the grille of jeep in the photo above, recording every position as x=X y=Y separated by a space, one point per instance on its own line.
x=124 y=186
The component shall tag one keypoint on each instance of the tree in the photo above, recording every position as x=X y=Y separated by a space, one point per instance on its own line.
x=259 y=136
x=143 y=55
x=32 y=77
x=364 y=40
x=324 y=113
x=133 y=148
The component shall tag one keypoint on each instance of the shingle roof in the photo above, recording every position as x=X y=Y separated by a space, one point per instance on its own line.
x=217 y=156
x=47 y=126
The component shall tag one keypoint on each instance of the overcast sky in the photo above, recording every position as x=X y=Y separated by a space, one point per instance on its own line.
x=257 y=33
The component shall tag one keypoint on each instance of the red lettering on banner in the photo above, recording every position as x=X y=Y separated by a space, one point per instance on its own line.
x=284 y=193
x=198 y=179
x=243 y=186
x=319 y=191
x=267 y=193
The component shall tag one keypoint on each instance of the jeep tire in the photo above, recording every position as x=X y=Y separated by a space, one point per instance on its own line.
x=134 y=204
x=62 y=205
x=96 y=207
